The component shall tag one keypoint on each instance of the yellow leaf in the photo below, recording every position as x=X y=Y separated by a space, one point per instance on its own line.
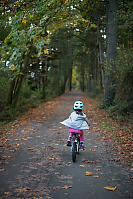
x=88 y=173
x=66 y=1
x=60 y=127
x=82 y=165
x=24 y=21
x=12 y=65
x=110 y=188
x=7 y=193
x=30 y=148
x=93 y=26
x=46 y=51
x=26 y=138
x=66 y=187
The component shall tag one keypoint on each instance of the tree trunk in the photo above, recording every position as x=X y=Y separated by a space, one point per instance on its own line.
x=44 y=79
x=70 y=78
x=111 y=52
x=100 y=58
x=70 y=62
x=82 y=81
x=89 y=83
x=63 y=86
x=17 y=89
x=10 y=93
x=16 y=84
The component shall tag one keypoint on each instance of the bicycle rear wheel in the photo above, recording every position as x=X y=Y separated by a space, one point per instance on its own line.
x=74 y=152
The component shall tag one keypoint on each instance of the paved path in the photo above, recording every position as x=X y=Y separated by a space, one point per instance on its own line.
x=40 y=167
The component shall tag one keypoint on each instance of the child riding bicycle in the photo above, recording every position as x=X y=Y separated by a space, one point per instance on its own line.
x=76 y=122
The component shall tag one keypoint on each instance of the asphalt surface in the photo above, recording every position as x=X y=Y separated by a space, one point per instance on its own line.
x=41 y=167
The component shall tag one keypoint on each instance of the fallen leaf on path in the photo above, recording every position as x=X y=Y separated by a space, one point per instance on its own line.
x=97 y=169
x=6 y=157
x=30 y=148
x=7 y=193
x=66 y=187
x=88 y=161
x=91 y=150
x=60 y=127
x=1 y=169
x=94 y=123
x=96 y=176
x=23 y=189
x=88 y=173
x=110 y=188
x=82 y=165
x=56 y=187
x=130 y=170
x=50 y=158
x=95 y=129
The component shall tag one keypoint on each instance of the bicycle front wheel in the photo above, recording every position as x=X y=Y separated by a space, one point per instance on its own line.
x=74 y=152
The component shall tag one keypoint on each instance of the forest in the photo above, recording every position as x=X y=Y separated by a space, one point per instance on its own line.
x=49 y=47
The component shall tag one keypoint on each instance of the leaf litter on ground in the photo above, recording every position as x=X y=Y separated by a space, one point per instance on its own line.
x=35 y=116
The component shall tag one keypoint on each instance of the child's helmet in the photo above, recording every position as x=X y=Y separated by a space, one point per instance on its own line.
x=78 y=105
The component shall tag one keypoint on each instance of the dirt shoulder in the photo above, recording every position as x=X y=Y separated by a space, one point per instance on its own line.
x=120 y=134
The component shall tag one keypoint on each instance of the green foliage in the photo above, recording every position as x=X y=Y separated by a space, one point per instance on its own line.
x=125 y=24
x=123 y=85
x=4 y=85
x=7 y=114
x=95 y=93
x=27 y=99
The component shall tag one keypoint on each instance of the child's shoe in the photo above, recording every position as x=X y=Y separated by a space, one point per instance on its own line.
x=69 y=143
x=82 y=146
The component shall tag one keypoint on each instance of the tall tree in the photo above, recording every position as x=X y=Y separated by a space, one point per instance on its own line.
x=111 y=51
